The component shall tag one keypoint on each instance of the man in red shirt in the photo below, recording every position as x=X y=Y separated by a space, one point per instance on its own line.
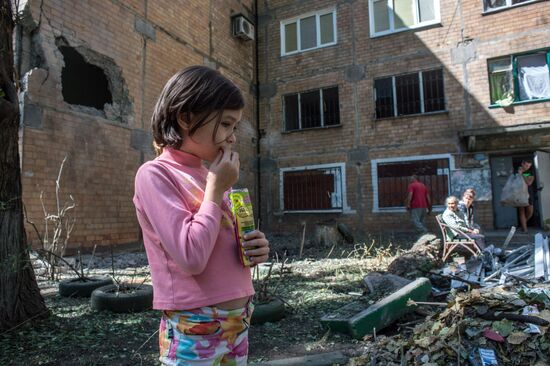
x=418 y=203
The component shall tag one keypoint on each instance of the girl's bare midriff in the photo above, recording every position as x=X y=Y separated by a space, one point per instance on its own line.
x=233 y=304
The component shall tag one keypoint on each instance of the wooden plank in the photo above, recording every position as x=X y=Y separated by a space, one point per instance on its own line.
x=509 y=237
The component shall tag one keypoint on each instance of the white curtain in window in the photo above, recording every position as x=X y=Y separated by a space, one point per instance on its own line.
x=534 y=78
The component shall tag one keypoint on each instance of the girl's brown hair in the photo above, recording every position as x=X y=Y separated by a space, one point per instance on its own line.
x=199 y=91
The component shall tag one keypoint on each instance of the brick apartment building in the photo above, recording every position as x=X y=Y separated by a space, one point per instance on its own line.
x=92 y=73
x=354 y=96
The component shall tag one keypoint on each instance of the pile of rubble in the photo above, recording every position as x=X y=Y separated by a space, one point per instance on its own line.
x=492 y=309
x=485 y=321
x=495 y=266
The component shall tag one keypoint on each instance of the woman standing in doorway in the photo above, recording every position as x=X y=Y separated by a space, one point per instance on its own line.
x=526 y=212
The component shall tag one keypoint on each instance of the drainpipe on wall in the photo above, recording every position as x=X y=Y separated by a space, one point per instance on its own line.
x=258 y=132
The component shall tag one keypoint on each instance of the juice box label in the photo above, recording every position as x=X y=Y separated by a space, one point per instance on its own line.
x=241 y=206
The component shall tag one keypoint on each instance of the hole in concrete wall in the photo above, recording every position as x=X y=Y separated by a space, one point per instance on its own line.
x=92 y=83
x=83 y=83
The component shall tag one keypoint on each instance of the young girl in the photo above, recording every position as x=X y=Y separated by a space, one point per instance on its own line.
x=188 y=229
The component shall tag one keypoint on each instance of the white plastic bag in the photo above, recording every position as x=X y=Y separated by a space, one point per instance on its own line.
x=515 y=192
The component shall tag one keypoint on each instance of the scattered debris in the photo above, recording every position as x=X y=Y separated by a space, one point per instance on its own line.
x=497 y=312
x=419 y=260
x=379 y=282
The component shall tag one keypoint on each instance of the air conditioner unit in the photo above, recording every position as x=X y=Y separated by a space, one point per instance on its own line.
x=243 y=28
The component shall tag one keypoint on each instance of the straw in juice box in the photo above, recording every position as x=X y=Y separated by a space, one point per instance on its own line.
x=244 y=218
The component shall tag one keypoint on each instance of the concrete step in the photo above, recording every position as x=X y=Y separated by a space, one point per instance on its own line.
x=497 y=237
x=321 y=359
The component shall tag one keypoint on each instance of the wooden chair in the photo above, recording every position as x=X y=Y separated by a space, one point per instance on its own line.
x=461 y=240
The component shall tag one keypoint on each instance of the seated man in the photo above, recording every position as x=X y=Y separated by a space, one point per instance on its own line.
x=455 y=220
x=466 y=206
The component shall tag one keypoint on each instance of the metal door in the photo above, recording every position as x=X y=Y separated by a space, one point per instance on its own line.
x=542 y=171
x=501 y=169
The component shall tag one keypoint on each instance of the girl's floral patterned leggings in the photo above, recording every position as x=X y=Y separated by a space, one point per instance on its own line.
x=205 y=336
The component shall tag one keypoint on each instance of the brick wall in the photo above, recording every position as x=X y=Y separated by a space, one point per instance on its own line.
x=466 y=91
x=104 y=154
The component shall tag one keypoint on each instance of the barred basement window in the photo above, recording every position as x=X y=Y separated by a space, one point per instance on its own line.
x=316 y=108
x=414 y=93
x=394 y=178
x=313 y=189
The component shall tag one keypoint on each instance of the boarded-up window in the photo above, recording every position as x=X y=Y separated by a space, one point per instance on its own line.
x=394 y=178
x=313 y=189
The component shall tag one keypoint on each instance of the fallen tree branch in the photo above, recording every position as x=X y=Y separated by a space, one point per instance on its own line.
x=491 y=315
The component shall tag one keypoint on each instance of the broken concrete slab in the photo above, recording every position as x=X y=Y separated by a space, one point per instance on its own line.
x=379 y=315
x=378 y=282
x=321 y=359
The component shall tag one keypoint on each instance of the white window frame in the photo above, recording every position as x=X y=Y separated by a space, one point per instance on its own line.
x=374 y=173
x=340 y=183
x=421 y=91
x=299 y=94
x=487 y=10
x=297 y=20
x=416 y=25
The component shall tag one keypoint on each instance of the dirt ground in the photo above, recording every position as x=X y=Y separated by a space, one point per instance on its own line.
x=321 y=281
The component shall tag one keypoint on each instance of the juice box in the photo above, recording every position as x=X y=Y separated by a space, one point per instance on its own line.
x=244 y=219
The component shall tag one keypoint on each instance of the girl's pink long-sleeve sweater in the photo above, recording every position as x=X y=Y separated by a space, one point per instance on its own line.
x=190 y=244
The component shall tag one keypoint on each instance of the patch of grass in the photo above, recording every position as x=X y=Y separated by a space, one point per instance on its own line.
x=76 y=335
x=323 y=280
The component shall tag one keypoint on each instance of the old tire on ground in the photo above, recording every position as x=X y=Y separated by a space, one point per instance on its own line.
x=75 y=287
x=139 y=298
x=268 y=312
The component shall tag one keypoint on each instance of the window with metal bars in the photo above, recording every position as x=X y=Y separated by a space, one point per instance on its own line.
x=413 y=93
x=310 y=109
x=312 y=189
x=394 y=178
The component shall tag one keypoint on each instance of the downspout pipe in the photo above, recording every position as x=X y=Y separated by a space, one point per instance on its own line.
x=257 y=94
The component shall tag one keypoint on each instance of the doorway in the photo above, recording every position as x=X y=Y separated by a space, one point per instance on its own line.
x=501 y=168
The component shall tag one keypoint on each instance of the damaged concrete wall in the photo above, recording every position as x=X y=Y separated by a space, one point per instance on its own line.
x=92 y=72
